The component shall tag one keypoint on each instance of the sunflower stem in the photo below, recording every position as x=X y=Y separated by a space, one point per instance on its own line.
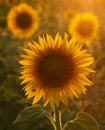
x=58 y=122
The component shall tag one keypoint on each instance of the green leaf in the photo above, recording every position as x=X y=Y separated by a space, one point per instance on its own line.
x=82 y=121
x=86 y=121
x=31 y=114
x=73 y=126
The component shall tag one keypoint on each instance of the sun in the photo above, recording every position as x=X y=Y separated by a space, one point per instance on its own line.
x=54 y=69
x=23 y=20
x=84 y=27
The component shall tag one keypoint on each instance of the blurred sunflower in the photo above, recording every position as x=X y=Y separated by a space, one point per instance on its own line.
x=68 y=14
x=55 y=69
x=9 y=2
x=23 y=20
x=84 y=27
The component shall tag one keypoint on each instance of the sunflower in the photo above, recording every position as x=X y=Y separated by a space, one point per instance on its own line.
x=9 y=2
x=54 y=69
x=84 y=27
x=23 y=20
x=68 y=14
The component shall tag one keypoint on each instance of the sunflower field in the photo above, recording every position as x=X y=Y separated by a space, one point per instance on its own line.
x=52 y=65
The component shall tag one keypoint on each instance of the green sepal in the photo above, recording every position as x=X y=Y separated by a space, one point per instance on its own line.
x=84 y=122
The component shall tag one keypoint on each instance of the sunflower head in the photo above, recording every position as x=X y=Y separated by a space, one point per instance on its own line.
x=55 y=70
x=68 y=14
x=9 y=2
x=84 y=27
x=23 y=20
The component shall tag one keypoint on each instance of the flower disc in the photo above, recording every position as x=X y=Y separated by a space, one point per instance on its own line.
x=55 y=68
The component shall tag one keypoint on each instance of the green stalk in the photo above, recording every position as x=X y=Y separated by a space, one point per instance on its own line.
x=58 y=122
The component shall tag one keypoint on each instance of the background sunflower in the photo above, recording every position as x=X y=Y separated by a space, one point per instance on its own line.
x=23 y=20
x=68 y=14
x=84 y=27
x=10 y=2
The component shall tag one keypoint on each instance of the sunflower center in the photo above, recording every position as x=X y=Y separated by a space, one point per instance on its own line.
x=55 y=69
x=85 y=28
x=10 y=1
x=24 y=20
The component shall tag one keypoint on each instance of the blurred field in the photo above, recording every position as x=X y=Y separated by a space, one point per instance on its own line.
x=53 y=19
